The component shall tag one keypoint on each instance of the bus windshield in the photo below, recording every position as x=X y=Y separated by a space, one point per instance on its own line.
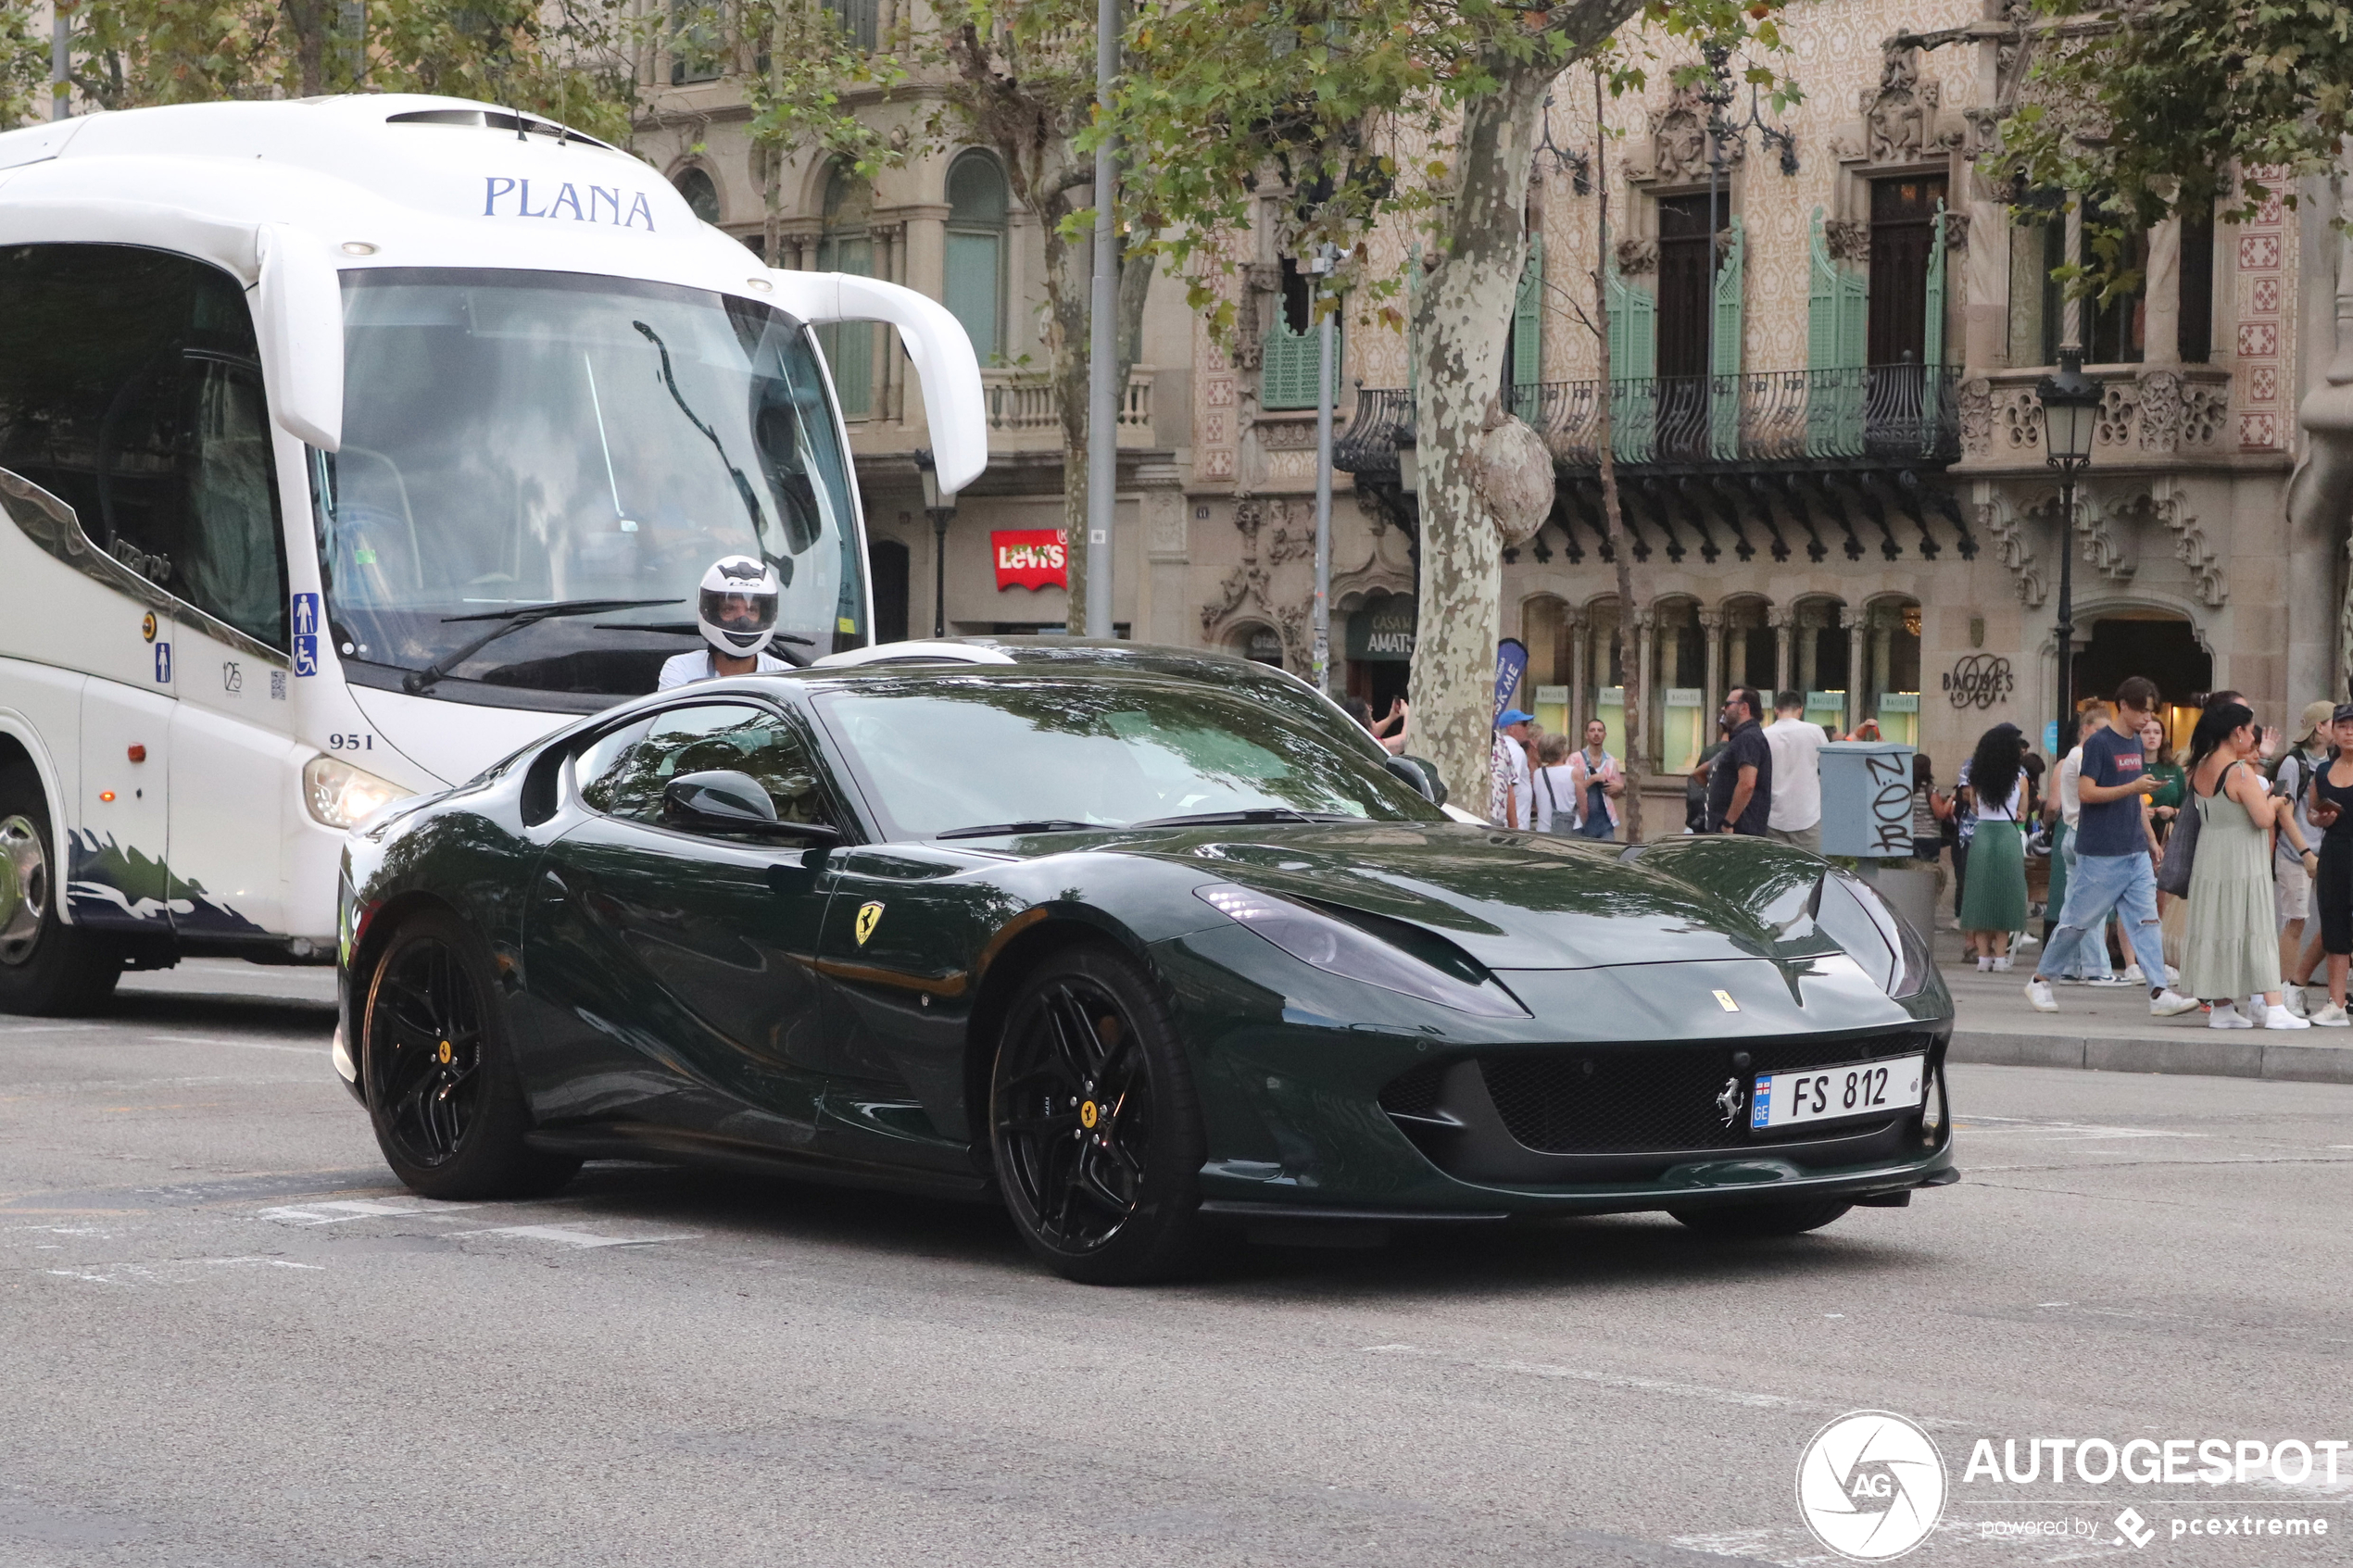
x=516 y=439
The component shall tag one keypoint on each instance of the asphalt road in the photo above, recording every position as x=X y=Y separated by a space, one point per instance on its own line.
x=227 y=1338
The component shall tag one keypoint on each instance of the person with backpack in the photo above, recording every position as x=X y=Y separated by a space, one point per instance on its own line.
x=1596 y=783
x=2290 y=886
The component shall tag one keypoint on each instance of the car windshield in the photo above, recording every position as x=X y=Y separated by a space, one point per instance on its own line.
x=979 y=751
x=518 y=439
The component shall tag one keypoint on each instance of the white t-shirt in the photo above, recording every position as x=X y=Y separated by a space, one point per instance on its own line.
x=1797 y=774
x=1554 y=787
x=1523 y=787
x=685 y=669
x=2070 y=773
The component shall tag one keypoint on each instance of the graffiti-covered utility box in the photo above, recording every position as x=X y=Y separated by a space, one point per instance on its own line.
x=1866 y=799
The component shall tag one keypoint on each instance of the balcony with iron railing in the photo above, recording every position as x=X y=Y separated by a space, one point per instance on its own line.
x=1882 y=416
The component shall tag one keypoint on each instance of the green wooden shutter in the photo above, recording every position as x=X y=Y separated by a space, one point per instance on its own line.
x=1933 y=336
x=1528 y=331
x=1724 y=392
x=1633 y=361
x=1836 y=306
x=1289 y=365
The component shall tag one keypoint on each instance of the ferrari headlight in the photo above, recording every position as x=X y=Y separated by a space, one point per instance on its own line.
x=340 y=796
x=1853 y=914
x=1338 y=947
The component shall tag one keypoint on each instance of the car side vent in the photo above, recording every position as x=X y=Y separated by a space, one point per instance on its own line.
x=540 y=792
x=496 y=119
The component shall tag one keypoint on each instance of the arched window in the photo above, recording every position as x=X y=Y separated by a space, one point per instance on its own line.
x=701 y=192
x=977 y=201
x=846 y=246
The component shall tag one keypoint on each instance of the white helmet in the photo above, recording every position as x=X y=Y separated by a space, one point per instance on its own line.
x=737 y=606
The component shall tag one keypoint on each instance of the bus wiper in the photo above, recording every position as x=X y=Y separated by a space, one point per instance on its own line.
x=1043 y=825
x=418 y=681
x=1255 y=814
x=743 y=486
x=694 y=629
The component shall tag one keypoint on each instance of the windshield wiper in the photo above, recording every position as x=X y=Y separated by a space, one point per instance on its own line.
x=693 y=629
x=743 y=486
x=1255 y=814
x=1043 y=825
x=417 y=681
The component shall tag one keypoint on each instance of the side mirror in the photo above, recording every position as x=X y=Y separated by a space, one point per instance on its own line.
x=726 y=801
x=300 y=324
x=954 y=404
x=1423 y=775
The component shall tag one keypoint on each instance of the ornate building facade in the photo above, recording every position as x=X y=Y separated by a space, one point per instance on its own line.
x=1826 y=329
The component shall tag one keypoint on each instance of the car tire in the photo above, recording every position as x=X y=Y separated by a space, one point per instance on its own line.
x=1094 y=1126
x=1746 y=1220
x=443 y=1089
x=46 y=966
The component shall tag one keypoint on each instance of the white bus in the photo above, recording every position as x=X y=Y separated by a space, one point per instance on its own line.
x=344 y=446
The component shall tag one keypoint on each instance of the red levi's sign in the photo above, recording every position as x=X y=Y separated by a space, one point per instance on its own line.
x=1030 y=558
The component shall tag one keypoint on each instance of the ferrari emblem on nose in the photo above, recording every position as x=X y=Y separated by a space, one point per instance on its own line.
x=1729 y=1100
x=868 y=914
x=1724 y=1000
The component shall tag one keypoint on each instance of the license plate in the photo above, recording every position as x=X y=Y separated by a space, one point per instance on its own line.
x=1826 y=1093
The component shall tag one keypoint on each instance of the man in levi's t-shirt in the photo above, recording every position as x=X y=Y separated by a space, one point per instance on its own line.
x=2112 y=869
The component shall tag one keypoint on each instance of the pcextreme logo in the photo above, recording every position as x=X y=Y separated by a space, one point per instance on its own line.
x=1871 y=1485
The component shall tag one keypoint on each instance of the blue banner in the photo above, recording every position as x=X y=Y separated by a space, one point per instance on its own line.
x=1511 y=664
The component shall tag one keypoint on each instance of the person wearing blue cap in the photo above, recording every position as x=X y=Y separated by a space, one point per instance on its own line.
x=1510 y=797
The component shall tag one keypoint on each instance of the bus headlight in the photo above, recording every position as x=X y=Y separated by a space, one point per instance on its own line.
x=340 y=796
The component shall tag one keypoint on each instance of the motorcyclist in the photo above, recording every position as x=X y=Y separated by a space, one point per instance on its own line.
x=737 y=609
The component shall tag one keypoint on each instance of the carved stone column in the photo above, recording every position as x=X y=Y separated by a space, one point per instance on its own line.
x=2164 y=294
x=1781 y=620
x=1881 y=634
x=1581 y=698
x=1646 y=661
x=1711 y=677
x=1808 y=625
x=1852 y=621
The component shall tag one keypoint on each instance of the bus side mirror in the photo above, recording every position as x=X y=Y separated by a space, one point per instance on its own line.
x=954 y=406
x=299 y=323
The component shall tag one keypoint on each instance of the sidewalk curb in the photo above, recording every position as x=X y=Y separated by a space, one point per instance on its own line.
x=2229 y=1056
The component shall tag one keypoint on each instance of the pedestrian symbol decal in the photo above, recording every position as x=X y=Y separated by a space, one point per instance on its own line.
x=163 y=664
x=306 y=634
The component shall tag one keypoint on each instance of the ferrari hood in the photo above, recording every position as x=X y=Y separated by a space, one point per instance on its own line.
x=1510 y=900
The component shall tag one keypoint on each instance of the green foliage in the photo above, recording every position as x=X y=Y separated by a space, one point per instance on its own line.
x=570 y=60
x=24 y=65
x=2153 y=107
x=1357 y=105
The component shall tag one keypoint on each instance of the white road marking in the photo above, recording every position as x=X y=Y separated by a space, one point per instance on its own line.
x=2093 y=1130
x=273 y=1262
x=568 y=1237
x=348 y=1208
x=76 y=1273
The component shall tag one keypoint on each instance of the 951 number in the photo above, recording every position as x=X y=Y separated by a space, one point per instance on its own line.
x=356 y=740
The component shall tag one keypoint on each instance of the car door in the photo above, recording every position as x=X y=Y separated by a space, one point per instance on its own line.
x=676 y=967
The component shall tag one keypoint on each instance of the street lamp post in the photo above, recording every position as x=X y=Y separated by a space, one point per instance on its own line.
x=1324 y=258
x=2070 y=411
x=939 y=509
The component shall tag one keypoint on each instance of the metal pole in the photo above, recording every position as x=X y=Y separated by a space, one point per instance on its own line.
x=1103 y=360
x=60 y=63
x=1324 y=395
x=939 y=571
x=2063 y=740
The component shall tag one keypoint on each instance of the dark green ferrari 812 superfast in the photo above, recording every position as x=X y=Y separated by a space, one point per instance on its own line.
x=1150 y=947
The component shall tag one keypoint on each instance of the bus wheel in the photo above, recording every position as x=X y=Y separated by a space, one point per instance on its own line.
x=46 y=966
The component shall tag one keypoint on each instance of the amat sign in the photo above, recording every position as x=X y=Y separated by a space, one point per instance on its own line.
x=1030 y=558
x=1382 y=632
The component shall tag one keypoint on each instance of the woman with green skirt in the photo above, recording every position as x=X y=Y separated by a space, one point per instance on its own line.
x=1993 y=902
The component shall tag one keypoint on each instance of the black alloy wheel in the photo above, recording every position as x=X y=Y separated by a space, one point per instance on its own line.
x=1094 y=1123
x=46 y=966
x=1743 y=1220
x=449 y=1110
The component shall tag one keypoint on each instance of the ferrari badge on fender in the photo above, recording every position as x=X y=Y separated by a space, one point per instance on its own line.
x=868 y=915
